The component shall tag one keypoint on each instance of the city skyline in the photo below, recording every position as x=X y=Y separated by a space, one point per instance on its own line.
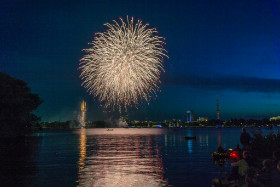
x=230 y=49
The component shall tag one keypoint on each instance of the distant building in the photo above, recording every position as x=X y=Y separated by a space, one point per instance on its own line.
x=277 y=118
x=202 y=119
x=190 y=117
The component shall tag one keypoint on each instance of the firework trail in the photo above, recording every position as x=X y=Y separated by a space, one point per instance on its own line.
x=123 y=65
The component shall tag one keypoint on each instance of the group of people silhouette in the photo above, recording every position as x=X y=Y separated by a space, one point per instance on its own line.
x=248 y=170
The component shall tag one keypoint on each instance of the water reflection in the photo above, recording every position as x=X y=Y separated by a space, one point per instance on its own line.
x=189 y=134
x=203 y=141
x=150 y=157
x=122 y=157
x=18 y=161
x=219 y=138
x=120 y=160
x=83 y=149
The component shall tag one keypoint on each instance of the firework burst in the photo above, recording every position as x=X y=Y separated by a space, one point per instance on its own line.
x=123 y=65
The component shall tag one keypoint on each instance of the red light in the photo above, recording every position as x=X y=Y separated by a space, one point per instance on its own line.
x=234 y=155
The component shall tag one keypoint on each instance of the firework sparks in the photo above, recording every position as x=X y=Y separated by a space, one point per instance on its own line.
x=123 y=65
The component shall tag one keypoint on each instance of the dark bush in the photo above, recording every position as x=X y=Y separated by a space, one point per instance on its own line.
x=16 y=107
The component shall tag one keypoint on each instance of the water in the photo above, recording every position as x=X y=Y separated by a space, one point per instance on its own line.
x=121 y=157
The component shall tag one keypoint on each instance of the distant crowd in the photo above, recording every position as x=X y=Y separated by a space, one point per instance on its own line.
x=250 y=170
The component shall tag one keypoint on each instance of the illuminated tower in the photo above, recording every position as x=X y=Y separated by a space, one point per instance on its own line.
x=189 y=115
x=83 y=113
x=218 y=109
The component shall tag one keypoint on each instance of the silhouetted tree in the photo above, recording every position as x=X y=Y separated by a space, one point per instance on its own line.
x=16 y=106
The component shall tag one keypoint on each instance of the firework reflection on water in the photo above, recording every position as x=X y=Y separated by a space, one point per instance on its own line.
x=120 y=160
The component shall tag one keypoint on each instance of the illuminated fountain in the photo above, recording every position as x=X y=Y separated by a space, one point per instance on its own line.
x=83 y=114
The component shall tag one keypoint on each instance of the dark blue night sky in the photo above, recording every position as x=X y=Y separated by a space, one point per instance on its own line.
x=228 y=48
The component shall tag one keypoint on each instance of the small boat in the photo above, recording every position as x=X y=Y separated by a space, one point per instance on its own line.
x=217 y=155
x=228 y=154
x=110 y=129
x=190 y=137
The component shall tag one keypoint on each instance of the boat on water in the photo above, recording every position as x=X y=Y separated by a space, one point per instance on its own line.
x=110 y=129
x=228 y=154
x=190 y=137
x=218 y=155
